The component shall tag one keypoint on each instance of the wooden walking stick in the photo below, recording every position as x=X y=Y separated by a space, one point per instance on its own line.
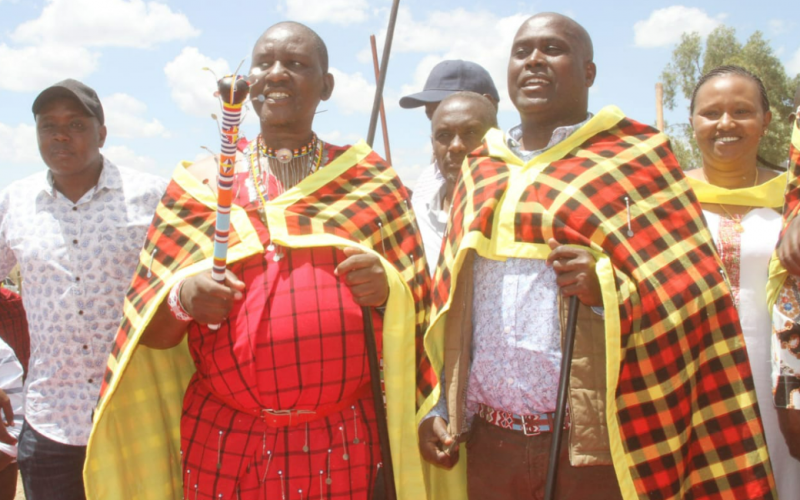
x=383 y=110
x=380 y=409
x=369 y=329
x=561 y=405
x=387 y=49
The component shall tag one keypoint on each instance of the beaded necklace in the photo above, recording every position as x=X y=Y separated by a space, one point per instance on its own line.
x=289 y=167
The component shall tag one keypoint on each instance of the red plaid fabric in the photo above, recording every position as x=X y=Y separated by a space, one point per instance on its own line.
x=793 y=185
x=382 y=219
x=296 y=341
x=686 y=410
x=14 y=326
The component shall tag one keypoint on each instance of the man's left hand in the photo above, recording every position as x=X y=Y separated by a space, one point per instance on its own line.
x=575 y=273
x=363 y=273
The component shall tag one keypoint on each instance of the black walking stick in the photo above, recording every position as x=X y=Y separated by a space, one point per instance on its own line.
x=369 y=329
x=380 y=410
x=561 y=408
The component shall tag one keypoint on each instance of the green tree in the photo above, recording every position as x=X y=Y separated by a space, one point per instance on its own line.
x=690 y=61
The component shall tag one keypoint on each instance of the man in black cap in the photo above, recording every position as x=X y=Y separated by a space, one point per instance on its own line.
x=75 y=230
x=429 y=195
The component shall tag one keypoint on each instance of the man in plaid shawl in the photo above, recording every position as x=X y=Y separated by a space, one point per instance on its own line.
x=278 y=402
x=661 y=398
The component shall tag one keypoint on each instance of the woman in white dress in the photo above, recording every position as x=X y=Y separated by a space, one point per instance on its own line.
x=741 y=202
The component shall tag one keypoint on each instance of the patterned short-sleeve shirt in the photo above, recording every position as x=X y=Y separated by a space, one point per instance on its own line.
x=76 y=261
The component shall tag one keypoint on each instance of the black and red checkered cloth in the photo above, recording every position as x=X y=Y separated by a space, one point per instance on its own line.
x=793 y=185
x=684 y=420
x=14 y=326
x=294 y=342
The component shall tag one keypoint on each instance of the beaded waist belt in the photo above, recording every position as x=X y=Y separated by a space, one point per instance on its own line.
x=530 y=425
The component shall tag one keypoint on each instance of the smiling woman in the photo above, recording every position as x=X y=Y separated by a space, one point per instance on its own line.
x=730 y=114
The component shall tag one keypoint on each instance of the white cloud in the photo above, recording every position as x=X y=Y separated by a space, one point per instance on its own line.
x=479 y=36
x=193 y=88
x=37 y=67
x=779 y=26
x=341 y=12
x=124 y=118
x=18 y=144
x=352 y=93
x=793 y=66
x=407 y=162
x=110 y=23
x=125 y=156
x=665 y=26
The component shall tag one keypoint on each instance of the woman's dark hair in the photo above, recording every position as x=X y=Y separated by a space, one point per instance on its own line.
x=731 y=70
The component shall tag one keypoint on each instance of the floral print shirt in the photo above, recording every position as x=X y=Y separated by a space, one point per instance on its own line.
x=76 y=261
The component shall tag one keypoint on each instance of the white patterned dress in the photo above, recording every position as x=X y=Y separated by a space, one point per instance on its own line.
x=746 y=258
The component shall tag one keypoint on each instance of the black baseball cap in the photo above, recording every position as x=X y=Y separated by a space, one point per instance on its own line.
x=72 y=89
x=449 y=77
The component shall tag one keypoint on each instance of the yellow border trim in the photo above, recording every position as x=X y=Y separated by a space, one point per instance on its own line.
x=768 y=194
x=619 y=457
x=249 y=245
x=522 y=177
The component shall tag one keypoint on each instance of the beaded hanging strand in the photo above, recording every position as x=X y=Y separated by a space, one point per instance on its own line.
x=289 y=169
x=283 y=163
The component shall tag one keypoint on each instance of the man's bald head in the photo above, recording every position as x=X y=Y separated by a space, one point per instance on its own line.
x=550 y=71
x=302 y=30
x=572 y=29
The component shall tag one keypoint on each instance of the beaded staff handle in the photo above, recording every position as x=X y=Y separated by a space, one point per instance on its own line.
x=233 y=90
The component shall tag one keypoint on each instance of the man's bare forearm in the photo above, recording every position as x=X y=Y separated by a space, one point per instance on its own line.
x=164 y=330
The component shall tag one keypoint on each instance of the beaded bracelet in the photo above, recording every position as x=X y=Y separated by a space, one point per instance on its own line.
x=174 y=302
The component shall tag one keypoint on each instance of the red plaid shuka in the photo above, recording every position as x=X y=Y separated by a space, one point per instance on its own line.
x=296 y=340
x=681 y=409
x=356 y=200
x=793 y=185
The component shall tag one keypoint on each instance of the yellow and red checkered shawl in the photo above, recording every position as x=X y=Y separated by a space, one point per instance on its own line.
x=356 y=200
x=681 y=410
x=791 y=207
x=777 y=274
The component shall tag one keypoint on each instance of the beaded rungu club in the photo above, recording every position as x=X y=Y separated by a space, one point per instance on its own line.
x=232 y=91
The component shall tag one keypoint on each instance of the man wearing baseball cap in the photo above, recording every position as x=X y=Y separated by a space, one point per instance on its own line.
x=430 y=195
x=75 y=229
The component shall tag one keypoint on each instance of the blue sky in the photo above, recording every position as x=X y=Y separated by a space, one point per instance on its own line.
x=145 y=59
